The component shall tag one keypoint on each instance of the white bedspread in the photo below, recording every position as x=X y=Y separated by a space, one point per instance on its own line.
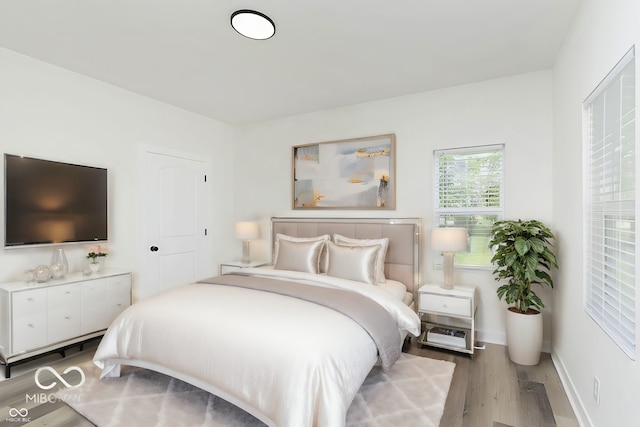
x=287 y=361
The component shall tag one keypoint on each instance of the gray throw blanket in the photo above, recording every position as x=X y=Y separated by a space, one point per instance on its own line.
x=367 y=313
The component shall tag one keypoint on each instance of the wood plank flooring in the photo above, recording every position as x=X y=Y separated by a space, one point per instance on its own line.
x=489 y=390
x=486 y=391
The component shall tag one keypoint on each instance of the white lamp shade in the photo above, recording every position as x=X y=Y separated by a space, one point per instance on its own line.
x=449 y=239
x=247 y=230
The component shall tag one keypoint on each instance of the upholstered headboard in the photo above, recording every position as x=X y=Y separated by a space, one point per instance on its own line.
x=403 y=259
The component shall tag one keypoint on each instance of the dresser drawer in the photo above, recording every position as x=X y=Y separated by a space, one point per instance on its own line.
x=29 y=320
x=28 y=303
x=119 y=287
x=118 y=295
x=455 y=306
x=94 y=315
x=63 y=312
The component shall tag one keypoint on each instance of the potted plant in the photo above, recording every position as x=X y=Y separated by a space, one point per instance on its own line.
x=96 y=256
x=523 y=256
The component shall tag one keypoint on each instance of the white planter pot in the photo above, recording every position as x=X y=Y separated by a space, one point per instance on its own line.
x=524 y=337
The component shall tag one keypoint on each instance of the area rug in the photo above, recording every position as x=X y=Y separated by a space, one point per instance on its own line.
x=412 y=393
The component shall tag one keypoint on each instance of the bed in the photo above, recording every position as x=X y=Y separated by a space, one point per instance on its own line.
x=290 y=344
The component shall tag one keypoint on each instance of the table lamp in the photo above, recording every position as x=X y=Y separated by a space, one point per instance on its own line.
x=246 y=231
x=449 y=240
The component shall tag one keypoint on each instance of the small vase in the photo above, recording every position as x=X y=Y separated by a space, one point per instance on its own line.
x=94 y=267
x=59 y=266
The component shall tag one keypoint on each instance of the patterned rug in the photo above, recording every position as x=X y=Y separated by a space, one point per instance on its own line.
x=413 y=393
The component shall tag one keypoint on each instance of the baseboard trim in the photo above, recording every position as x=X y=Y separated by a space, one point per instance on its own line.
x=501 y=339
x=570 y=390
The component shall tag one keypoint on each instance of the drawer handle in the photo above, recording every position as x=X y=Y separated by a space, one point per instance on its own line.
x=29 y=299
x=30 y=325
x=67 y=317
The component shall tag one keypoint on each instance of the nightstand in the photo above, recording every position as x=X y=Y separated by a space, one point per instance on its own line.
x=228 y=267
x=449 y=317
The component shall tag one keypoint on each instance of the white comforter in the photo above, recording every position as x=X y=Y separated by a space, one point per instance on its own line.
x=287 y=361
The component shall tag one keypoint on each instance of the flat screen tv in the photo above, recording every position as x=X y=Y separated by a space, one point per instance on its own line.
x=49 y=202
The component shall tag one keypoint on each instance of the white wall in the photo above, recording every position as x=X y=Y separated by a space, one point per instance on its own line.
x=515 y=111
x=602 y=33
x=48 y=112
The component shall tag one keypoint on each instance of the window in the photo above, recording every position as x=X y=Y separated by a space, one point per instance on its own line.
x=610 y=205
x=469 y=194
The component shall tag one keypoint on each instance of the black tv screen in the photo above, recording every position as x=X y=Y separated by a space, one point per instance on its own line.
x=49 y=202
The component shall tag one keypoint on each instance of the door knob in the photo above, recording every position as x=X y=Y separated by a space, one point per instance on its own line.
x=154 y=249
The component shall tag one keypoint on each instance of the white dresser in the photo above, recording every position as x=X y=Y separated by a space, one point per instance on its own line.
x=37 y=318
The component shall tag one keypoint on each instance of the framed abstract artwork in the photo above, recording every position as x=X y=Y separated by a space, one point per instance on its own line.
x=354 y=173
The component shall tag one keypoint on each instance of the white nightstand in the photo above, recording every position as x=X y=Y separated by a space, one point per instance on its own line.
x=228 y=267
x=449 y=317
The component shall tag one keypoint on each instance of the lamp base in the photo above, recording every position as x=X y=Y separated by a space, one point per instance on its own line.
x=447 y=266
x=245 y=252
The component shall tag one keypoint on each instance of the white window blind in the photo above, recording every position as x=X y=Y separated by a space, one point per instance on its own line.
x=610 y=205
x=469 y=194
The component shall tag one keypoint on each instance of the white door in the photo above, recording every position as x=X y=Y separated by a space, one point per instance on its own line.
x=174 y=219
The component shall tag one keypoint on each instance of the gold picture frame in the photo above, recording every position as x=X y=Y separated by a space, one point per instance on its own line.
x=357 y=173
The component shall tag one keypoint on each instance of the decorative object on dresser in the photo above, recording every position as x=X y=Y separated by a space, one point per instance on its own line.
x=523 y=256
x=36 y=320
x=356 y=173
x=449 y=240
x=448 y=316
x=41 y=274
x=59 y=266
x=96 y=256
x=28 y=276
x=247 y=231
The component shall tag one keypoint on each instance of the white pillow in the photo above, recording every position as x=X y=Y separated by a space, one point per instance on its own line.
x=353 y=262
x=383 y=242
x=323 y=255
x=395 y=288
x=299 y=256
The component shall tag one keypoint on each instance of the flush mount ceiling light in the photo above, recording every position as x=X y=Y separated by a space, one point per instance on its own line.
x=252 y=24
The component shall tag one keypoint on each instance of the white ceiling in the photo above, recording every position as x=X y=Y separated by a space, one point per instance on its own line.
x=325 y=53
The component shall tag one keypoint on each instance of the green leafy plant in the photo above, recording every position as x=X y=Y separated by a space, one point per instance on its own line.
x=522 y=256
x=95 y=252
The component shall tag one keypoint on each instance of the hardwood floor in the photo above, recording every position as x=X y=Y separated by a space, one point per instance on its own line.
x=489 y=390
x=486 y=391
